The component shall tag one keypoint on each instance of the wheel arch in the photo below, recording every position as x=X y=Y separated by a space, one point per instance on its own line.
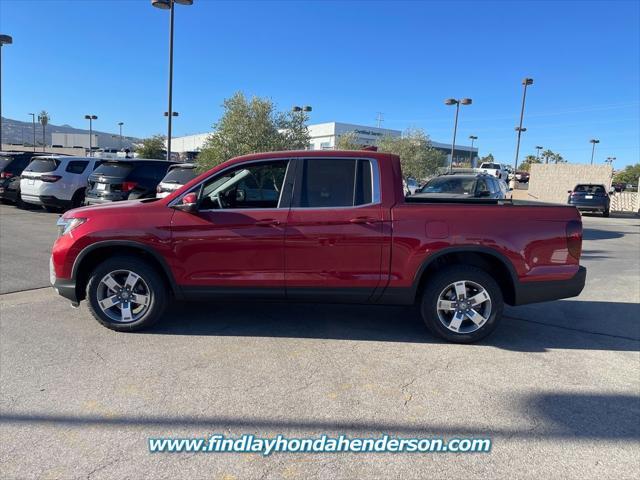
x=488 y=259
x=92 y=255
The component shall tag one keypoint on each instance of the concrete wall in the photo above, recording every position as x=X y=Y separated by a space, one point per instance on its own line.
x=550 y=183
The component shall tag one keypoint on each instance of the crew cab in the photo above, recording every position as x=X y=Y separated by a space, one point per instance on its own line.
x=317 y=226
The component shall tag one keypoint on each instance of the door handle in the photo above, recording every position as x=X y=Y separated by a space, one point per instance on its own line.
x=367 y=220
x=267 y=222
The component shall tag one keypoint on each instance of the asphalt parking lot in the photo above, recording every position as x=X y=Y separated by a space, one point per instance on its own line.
x=557 y=387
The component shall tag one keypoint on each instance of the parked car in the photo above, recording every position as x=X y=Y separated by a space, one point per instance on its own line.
x=339 y=229
x=495 y=169
x=412 y=185
x=588 y=197
x=130 y=179
x=522 y=176
x=12 y=165
x=479 y=185
x=177 y=176
x=56 y=182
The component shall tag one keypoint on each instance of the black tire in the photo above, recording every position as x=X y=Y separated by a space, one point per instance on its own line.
x=152 y=280
x=51 y=209
x=605 y=213
x=439 y=283
x=78 y=198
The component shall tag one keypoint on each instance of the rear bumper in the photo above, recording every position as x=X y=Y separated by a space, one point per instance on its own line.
x=46 y=200
x=534 y=292
x=91 y=200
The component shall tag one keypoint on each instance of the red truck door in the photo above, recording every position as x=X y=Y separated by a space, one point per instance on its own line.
x=335 y=233
x=234 y=243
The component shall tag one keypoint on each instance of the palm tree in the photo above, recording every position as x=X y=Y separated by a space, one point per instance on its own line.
x=557 y=158
x=547 y=154
x=43 y=118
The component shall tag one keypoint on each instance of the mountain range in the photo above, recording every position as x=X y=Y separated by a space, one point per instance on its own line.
x=20 y=133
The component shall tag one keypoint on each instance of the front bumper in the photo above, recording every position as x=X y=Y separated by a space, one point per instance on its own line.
x=546 y=291
x=63 y=287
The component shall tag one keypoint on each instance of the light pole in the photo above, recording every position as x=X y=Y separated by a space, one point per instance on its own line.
x=538 y=148
x=91 y=118
x=120 y=124
x=33 y=119
x=610 y=160
x=457 y=103
x=4 y=40
x=302 y=111
x=168 y=5
x=526 y=82
x=593 y=149
x=473 y=138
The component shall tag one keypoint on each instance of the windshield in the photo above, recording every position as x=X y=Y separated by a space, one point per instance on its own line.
x=455 y=185
x=493 y=166
x=43 y=165
x=180 y=175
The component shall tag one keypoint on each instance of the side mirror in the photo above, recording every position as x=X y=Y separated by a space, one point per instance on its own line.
x=569 y=191
x=188 y=203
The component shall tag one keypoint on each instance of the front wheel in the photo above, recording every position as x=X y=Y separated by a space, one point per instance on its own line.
x=126 y=294
x=462 y=304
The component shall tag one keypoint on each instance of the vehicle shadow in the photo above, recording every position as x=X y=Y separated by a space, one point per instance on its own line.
x=563 y=324
x=600 y=234
x=555 y=415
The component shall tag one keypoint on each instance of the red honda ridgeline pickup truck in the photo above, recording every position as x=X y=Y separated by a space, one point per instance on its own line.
x=317 y=226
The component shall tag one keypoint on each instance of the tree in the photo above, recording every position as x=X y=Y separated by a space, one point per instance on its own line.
x=152 y=147
x=417 y=157
x=630 y=174
x=528 y=161
x=547 y=154
x=251 y=126
x=348 y=141
x=43 y=118
x=488 y=159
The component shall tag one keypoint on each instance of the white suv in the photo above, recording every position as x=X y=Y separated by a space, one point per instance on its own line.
x=495 y=169
x=56 y=182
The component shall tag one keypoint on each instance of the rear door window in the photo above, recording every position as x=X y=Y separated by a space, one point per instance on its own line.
x=77 y=166
x=153 y=171
x=114 y=169
x=43 y=165
x=180 y=175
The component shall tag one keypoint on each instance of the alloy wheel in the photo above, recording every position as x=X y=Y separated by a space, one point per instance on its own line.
x=464 y=306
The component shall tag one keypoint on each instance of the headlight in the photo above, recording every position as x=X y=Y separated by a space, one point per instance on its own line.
x=66 y=225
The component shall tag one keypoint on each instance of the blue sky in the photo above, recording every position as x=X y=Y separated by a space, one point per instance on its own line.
x=348 y=60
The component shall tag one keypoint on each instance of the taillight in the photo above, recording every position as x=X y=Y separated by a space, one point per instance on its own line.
x=50 y=178
x=574 y=238
x=6 y=175
x=128 y=186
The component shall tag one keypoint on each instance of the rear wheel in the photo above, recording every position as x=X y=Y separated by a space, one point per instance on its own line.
x=605 y=213
x=462 y=304
x=78 y=198
x=126 y=294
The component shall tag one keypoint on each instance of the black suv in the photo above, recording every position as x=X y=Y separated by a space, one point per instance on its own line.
x=11 y=166
x=464 y=185
x=129 y=179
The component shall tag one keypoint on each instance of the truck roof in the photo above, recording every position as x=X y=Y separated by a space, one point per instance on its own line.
x=318 y=153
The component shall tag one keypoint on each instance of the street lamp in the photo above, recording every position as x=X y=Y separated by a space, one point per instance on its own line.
x=473 y=138
x=33 y=119
x=120 y=124
x=610 y=160
x=91 y=118
x=525 y=82
x=306 y=108
x=457 y=103
x=593 y=149
x=168 y=5
x=4 y=40
x=538 y=148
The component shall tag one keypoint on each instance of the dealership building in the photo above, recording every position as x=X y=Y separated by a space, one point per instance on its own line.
x=324 y=136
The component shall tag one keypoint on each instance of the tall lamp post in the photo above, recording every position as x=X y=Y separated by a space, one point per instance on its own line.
x=526 y=82
x=473 y=139
x=593 y=149
x=91 y=118
x=457 y=103
x=610 y=160
x=168 y=5
x=538 y=148
x=302 y=111
x=33 y=119
x=4 y=40
x=120 y=124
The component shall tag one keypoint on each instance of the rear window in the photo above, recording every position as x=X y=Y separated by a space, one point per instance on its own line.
x=43 y=165
x=450 y=184
x=589 y=189
x=180 y=175
x=114 y=169
x=4 y=162
x=493 y=166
